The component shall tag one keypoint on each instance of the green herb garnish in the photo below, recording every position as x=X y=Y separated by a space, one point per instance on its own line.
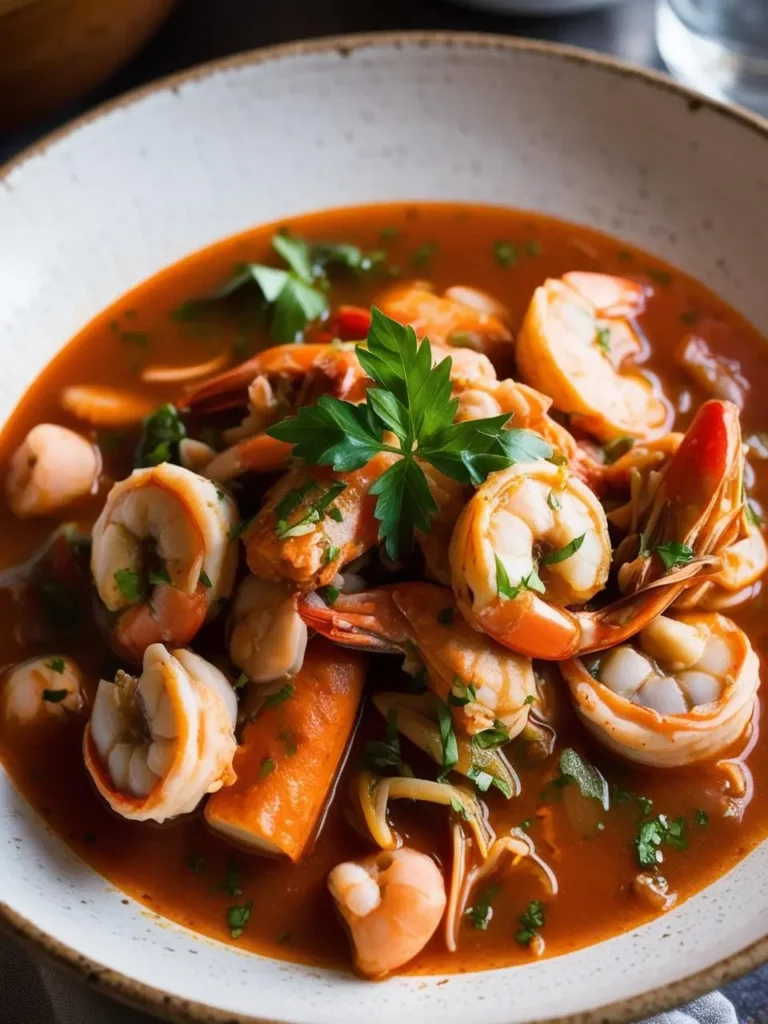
x=564 y=552
x=447 y=736
x=674 y=554
x=505 y=254
x=159 y=441
x=530 y=921
x=412 y=400
x=382 y=755
x=603 y=339
x=445 y=616
x=283 y=694
x=267 y=767
x=589 y=780
x=238 y=917
x=129 y=584
x=56 y=665
x=530 y=582
x=481 y=913
x=655 y=833
x=489 y=738
x=619 y=446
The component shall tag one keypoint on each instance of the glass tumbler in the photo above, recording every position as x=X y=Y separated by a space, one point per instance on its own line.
x=720 y=47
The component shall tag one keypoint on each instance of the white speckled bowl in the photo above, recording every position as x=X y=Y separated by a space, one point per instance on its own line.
x=110 y=200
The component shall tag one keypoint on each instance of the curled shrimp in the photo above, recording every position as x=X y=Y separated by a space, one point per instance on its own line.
x=392 y=903
x=534 y=541
x=51 y=469
x=683 y=692
x=495 y=684
x=161 y=556
x=269 y=637
x=41 y=688
x=459 y=318
x=156 y=744
x=574 y=342
x=313 y=522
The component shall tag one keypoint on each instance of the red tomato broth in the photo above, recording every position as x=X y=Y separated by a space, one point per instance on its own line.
x=292 y=916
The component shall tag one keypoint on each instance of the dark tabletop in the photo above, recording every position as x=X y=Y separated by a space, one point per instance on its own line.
x=201 y=30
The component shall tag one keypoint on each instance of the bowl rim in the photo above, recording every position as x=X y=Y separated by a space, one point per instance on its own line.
x=147 y=997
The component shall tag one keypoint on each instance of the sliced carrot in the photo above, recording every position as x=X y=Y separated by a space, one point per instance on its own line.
x=290 y=754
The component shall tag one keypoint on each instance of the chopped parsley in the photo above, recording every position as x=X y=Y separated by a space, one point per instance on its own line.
x=195 y=863
x=422 y=256
x=238 y=918
x=284 y=693
x=530 y=921
x=240 y=528
x=603 y=339
x=662 y=277
x=752 y=515
x=505 y=254
x=159 y=442
x=329 y=594
x=267 y=767
x=525 y=824
x=530 y=699
x=129 y=584
x=205 y=579
x=241 y=681
x=445 y=616
x=564 y=552
x=330 y=554
x=481 y=913
x=288 y=740
x=312 y=516
x=56 y=665
x=655 y=833
x=674 y=554
x=532 y=248
x=530 y=582
x=490 y=738
x=447 y=736
x=461 y=693
x=645 y=805
x=702 y=818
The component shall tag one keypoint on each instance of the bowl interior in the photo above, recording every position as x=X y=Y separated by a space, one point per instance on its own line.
x=109 y=202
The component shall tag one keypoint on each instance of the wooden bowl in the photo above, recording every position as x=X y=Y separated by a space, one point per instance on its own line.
x=52 y=51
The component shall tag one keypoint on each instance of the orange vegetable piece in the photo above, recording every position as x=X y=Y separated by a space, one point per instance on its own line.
x=289 y=756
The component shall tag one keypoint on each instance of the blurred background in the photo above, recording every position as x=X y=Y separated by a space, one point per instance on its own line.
x=60 y=57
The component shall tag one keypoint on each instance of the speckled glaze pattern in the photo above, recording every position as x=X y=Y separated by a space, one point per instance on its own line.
x=119 y=195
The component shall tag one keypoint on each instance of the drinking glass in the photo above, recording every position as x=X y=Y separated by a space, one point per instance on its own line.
x=718 y=46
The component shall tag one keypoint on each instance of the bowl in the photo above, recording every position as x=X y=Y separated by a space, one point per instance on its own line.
x=96 y=208
x=52 y=51
x=539 y=7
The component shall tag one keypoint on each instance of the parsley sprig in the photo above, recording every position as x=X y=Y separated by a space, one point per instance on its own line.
x=412 y=400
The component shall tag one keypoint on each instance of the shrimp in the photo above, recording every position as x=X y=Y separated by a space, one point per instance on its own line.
x=313 y=522
x=537 y=509
x=460 y=318
x=573 y=345
x=269 y=637
x=42 y=688
x=495 y=684
x=392 y=903
x=53 y=468
x=684 y=692
x=163 y=594
x=156 y=744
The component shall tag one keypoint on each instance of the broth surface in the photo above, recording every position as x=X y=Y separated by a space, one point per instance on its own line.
x=184 y=872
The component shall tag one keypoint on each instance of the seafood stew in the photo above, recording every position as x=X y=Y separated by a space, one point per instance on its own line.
x=353 y=648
